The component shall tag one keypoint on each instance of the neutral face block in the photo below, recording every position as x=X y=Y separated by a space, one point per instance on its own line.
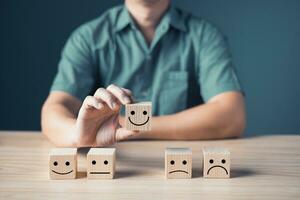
x=138 y=116
x=178 y=163
x=101 y=163
x=63 y=163
x=216 y=162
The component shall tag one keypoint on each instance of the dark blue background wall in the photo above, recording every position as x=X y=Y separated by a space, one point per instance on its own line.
x=264 y=36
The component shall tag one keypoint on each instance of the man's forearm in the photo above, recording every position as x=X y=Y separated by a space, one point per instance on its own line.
x=213 y=120
x=58 y=122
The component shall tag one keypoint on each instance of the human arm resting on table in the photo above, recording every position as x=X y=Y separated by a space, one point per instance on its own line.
x=221 y=117
x=71 y=117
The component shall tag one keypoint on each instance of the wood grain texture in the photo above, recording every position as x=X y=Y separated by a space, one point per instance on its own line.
x=178 y=163
x=138 y=116
x=101 y=163
x=216 y=162
x=63 y=163
x=262 y=167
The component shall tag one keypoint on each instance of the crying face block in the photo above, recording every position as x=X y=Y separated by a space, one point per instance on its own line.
x=63 y=163
x=138 y=116
x=178 y=163
x=101 y=163
x=216 y=162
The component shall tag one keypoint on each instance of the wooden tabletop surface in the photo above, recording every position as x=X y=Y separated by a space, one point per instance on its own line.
x=263 y=167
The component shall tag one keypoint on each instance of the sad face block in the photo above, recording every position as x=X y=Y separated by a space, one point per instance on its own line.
x=216 y=162
x=63 y=163
x=101 y=163
x=138 y=116
x=178 y=163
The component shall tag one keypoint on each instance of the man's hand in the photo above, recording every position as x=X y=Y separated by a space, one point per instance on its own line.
x=97 y=123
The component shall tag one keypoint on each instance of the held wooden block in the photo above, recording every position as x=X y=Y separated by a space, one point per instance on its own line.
x=138 y=116
x=178 y=163
x=101 y=163
x=63 y=163
x=216 y=162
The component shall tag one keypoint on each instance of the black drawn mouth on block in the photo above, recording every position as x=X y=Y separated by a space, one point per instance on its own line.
x=99 y=172
x=178 y=171
x=217 y=166
x=62 y=173
x=139 y=124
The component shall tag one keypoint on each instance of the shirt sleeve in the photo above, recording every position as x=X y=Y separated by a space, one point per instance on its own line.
x=216 y=73
x=76 y=71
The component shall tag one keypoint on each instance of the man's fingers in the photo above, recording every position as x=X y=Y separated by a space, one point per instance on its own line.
x=129 y=93
x=120 y=94
x=92 y=102
x=105 y=96
x=106 y=134
x=122 y=134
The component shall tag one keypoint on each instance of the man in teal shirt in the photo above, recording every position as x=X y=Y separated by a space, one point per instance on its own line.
x=155 y=52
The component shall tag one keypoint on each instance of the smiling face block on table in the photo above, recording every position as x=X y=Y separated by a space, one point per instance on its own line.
x=138 y=116
x=63 y=163
x=178 y=163
x=101 y=163
x=216 y=162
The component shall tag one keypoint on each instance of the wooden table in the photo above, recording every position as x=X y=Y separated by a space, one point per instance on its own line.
x=263 y=167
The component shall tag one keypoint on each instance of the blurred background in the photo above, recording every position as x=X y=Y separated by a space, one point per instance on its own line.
x=264 y=37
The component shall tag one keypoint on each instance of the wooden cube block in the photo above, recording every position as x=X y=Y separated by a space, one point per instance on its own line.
x=63 y=163
x=178 y=163
x=216 y=162
x=101 y=163
x=138 y=116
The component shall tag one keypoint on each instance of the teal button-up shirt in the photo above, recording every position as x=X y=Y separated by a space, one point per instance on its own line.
x=186 y=64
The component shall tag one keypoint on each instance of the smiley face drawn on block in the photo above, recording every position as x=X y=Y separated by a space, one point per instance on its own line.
x=63 y=163
x=178 y=163
x=139 y=124
x=216 y=163
x=67 y=163
x=138 y=116
x=101 y=163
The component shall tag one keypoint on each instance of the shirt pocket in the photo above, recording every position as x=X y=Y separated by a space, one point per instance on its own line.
x=173 y=94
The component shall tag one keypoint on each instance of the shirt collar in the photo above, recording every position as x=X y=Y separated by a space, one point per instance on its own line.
x=172 y=17
x=123 y=20
x=175 y=19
